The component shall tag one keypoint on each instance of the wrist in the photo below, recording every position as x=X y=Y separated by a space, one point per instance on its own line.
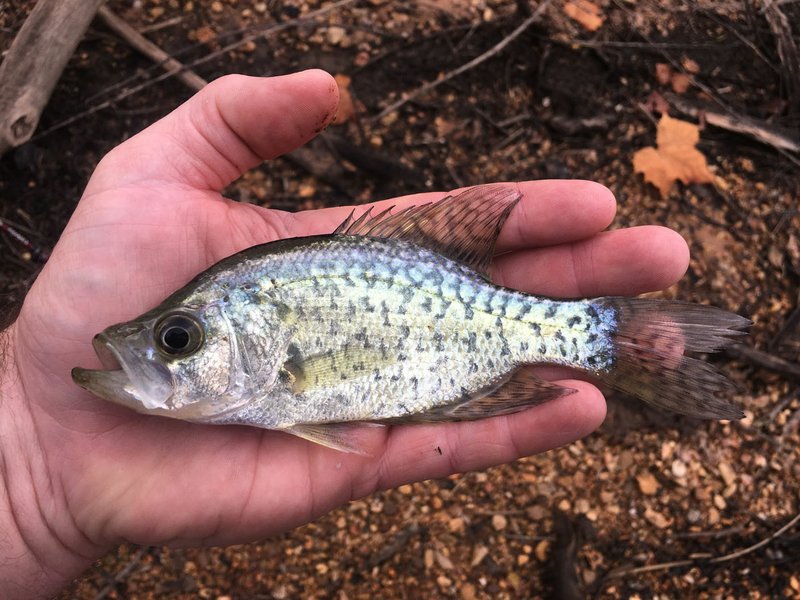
x=41 y=549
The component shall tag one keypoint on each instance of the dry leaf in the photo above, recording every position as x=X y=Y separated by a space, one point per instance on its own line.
x=347 y=108
x=675 y=156
x=588 y=14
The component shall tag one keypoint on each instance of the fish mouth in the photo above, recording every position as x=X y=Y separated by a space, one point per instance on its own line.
x=126 y=379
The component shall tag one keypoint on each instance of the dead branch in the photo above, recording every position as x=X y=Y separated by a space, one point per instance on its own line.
x=765 y=360
x=776 y=137
x=149 y=49
x=497 y=48
x=787 y=50
x=34 y=64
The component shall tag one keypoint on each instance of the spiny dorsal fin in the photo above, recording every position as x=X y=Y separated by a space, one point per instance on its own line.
x=463 y=227
x=519 y=391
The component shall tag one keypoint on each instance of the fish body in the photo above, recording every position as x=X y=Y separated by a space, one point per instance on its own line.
x=393 y=319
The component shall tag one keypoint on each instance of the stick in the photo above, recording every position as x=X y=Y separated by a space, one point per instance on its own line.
x=470 y=65
x=260 y=32
x=787 y=51
x=149 y=49
x=765 y=360
x=120 y=577
x=34 y=63
x=704 y=558
x=763 y=132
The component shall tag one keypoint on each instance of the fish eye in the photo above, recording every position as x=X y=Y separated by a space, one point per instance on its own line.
x=179 y=334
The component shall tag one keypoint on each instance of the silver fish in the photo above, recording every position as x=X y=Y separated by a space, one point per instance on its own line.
x=392 y=319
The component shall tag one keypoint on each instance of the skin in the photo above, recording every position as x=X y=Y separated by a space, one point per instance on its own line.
x=80 y=475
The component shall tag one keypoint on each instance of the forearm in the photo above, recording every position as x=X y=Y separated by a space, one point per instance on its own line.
x=40 y=549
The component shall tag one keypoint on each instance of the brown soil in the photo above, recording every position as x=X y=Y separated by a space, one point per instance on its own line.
x=648 y=488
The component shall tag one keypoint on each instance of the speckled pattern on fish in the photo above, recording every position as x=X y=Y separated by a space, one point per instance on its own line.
x=392 y=318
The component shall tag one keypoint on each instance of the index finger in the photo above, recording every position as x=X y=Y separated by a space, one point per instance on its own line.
x=550 y=212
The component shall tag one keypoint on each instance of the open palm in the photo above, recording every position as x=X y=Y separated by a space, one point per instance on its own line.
x=151 y=218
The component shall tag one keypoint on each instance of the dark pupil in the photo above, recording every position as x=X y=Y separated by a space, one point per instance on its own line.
x=176 y=338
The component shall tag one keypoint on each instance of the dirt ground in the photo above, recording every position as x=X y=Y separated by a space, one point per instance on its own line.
x=608 y=514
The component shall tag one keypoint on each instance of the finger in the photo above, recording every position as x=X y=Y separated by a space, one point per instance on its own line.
x=624 y=262
x=550 y=212
x=417 y=452
x=231 y=125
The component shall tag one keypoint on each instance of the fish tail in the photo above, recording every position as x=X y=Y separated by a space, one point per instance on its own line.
x=649 y=341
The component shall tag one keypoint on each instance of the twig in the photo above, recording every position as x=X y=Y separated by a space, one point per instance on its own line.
x=161 y=25
x=763 y=132
x=782 y=405
x=393 y=547
x=716 y=533
x=787 y=50
x=121 y=575
x=764 y=360
x=202 y=60
x=756 y=546
x=499 y=47
x=149 y=49
x=703 y=558
x=35 y=251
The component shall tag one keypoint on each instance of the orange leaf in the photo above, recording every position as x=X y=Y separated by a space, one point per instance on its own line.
x=588 y=14
x=675 y=156
x=347 y=108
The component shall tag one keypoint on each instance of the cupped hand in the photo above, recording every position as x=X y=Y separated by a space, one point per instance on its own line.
x=151 y=218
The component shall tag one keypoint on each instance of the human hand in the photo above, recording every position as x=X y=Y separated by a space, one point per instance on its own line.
x=84 y=474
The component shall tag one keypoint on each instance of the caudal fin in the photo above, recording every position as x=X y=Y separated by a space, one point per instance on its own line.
x=649 y=362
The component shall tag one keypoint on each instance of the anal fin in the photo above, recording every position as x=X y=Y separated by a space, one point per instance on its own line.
x=354 y=438
x=521 y=390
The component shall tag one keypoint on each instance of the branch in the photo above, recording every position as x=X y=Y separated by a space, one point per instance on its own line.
x=34 y=63
x=776 y=137
x=150 y=50
x=765 y=360
x=470 y=65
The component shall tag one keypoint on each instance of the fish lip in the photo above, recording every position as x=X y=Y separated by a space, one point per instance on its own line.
x=109 y=356
x=114 y=382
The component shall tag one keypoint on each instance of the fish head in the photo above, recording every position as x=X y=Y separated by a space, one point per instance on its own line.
x=184 y=362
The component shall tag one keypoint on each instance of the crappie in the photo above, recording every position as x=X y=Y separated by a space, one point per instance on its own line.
x=392 y=319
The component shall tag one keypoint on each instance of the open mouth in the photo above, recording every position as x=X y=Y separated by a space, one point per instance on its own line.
x=112 y=383
x=127 y=378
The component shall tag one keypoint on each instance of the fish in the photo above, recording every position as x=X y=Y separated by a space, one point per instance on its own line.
x=390 y=319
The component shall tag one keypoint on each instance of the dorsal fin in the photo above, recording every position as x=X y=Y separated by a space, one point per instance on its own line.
x=463 y=227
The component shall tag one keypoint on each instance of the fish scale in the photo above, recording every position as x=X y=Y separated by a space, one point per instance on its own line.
x=463 y=332
x=392 y=319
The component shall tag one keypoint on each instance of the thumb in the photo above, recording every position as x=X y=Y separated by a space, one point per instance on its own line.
x=230 y=126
